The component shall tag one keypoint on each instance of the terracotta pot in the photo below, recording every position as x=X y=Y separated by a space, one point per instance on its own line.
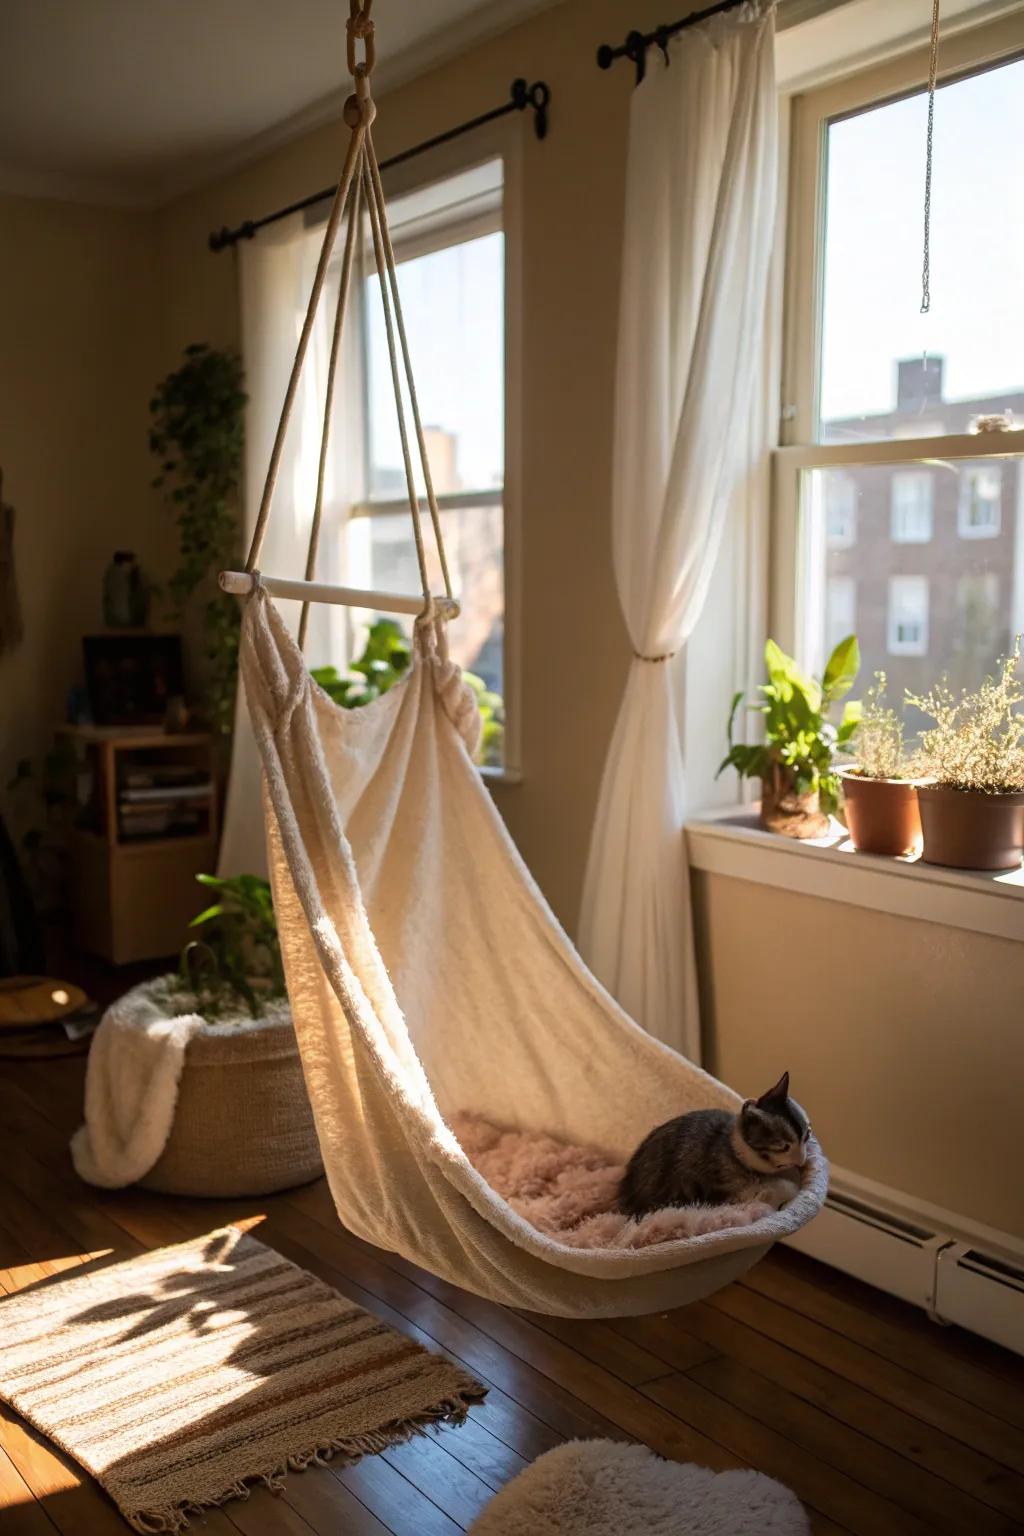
x=785 y=810
x=965 y=829
x=882 y=814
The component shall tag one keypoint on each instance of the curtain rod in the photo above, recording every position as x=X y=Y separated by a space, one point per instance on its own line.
x=637 y=43
x=536 y=96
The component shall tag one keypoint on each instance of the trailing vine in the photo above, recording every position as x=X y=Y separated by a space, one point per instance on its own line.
x=198 y=434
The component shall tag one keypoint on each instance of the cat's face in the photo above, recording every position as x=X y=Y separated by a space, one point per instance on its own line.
x=776 y=1128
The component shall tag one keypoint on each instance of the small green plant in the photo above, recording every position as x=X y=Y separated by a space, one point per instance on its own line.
x=799 y=738
x=491 y=751
x=977 y=741
x=878 y=739
x=384 y=662
x=238 y=958
x=198 y=434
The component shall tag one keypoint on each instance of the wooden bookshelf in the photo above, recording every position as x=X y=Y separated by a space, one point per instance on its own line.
x=147 y=826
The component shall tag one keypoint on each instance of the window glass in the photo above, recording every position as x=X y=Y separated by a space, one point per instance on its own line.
x=382 y=557
x=980 y=502
x=453 y=301
x=923 y=609
x=886 y=370
x=911 y=506
x=908 y=616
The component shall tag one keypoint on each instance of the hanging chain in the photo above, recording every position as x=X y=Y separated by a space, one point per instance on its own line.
x=360 y=28
x=933 y=68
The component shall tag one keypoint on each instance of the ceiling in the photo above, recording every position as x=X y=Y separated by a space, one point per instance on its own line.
x=133 y=101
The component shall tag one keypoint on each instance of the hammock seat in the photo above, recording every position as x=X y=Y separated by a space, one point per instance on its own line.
x=426 y=973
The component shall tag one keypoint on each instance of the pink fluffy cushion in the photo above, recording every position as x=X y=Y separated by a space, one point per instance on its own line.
x=570 y=1193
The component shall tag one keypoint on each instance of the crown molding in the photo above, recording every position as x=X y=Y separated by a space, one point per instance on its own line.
x=151 y=190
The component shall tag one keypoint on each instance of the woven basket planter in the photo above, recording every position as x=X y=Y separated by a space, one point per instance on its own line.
x=242 y=1122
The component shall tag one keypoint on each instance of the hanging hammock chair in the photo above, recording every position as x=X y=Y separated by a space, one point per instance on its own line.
x=426 y=973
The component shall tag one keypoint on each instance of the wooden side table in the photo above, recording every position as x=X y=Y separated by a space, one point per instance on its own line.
x=148 y=827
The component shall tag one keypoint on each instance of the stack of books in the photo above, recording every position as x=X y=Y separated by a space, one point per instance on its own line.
x=165 y=800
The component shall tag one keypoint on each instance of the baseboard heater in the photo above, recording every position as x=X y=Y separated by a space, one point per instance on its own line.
x=954 y=1281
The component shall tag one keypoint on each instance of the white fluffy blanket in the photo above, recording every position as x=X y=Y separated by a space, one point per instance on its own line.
x=131 y=1086
x=602 y=1488
x=569 y=1192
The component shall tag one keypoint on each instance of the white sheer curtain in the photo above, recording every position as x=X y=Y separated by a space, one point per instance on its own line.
x=700 y=214
x=276 y=276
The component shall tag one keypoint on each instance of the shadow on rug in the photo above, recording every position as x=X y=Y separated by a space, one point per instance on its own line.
x=177 y=1377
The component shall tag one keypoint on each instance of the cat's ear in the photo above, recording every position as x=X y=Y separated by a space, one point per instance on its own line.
x=748 y=1106
x=780 y=1091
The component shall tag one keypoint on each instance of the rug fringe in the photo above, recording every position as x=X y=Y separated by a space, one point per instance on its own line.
x=171 y=1520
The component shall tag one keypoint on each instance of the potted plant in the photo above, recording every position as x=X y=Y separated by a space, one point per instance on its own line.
x=384 y=662
x=199 y=1070
x=799 y=786
x=198 y=434
x=879 y=789
x=972 y=815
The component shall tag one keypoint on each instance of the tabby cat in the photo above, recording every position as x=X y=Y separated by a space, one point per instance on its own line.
x=712 y=1157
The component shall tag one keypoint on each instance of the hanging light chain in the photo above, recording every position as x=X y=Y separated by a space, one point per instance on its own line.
x=933 y=68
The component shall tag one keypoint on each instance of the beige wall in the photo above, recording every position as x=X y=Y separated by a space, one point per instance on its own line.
x=572 y=646
x=77 y=302
x=903 y=1038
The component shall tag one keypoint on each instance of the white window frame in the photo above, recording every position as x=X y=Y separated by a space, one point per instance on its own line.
x=922 y=506
x=893 y=643
x=964 y=527
x=494 y=141
x=795 y=589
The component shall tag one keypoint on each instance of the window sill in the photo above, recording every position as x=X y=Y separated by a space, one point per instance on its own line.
x=493 y=776
x=830 y=868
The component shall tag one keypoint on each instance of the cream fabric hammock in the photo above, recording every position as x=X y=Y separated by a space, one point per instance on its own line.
x=426 y=973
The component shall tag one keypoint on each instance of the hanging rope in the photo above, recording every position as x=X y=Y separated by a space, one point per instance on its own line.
x=351 y=236
x=360 y=178
x=396 y=381
x=435 y=516
x=352 y=159
x=933 y=65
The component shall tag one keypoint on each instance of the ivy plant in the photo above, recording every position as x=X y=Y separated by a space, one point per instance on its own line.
x=238 y=956
x=799 y=737
x=197 y=433
x=384 y=662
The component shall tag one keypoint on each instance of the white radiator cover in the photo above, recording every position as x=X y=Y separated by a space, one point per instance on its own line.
x=958 y=1271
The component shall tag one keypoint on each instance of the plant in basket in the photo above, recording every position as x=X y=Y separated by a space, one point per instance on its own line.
x=795 y=761
x=972 y=814
x=880 y=787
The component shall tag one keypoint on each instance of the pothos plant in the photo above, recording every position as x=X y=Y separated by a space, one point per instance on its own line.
x=800 y=740
x=236 y=959
x=197 y=432
x=384 y=662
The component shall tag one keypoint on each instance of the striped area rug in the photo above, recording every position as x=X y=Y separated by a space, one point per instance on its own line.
x=177 y=1377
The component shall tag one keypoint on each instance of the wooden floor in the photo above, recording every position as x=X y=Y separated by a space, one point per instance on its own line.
x=883 y=1423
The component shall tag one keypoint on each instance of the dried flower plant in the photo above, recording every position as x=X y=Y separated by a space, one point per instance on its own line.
x=878 y=740
x=977 y=741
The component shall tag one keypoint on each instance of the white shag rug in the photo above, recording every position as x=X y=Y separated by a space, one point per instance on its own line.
x=604 y=1488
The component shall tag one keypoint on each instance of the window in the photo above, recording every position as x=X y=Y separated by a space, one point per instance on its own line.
x=840 y=611
x=908 y=616
x=911 y=506
x=981 y=490
x=841 y=512
x=879 y=401
x=450 y=250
